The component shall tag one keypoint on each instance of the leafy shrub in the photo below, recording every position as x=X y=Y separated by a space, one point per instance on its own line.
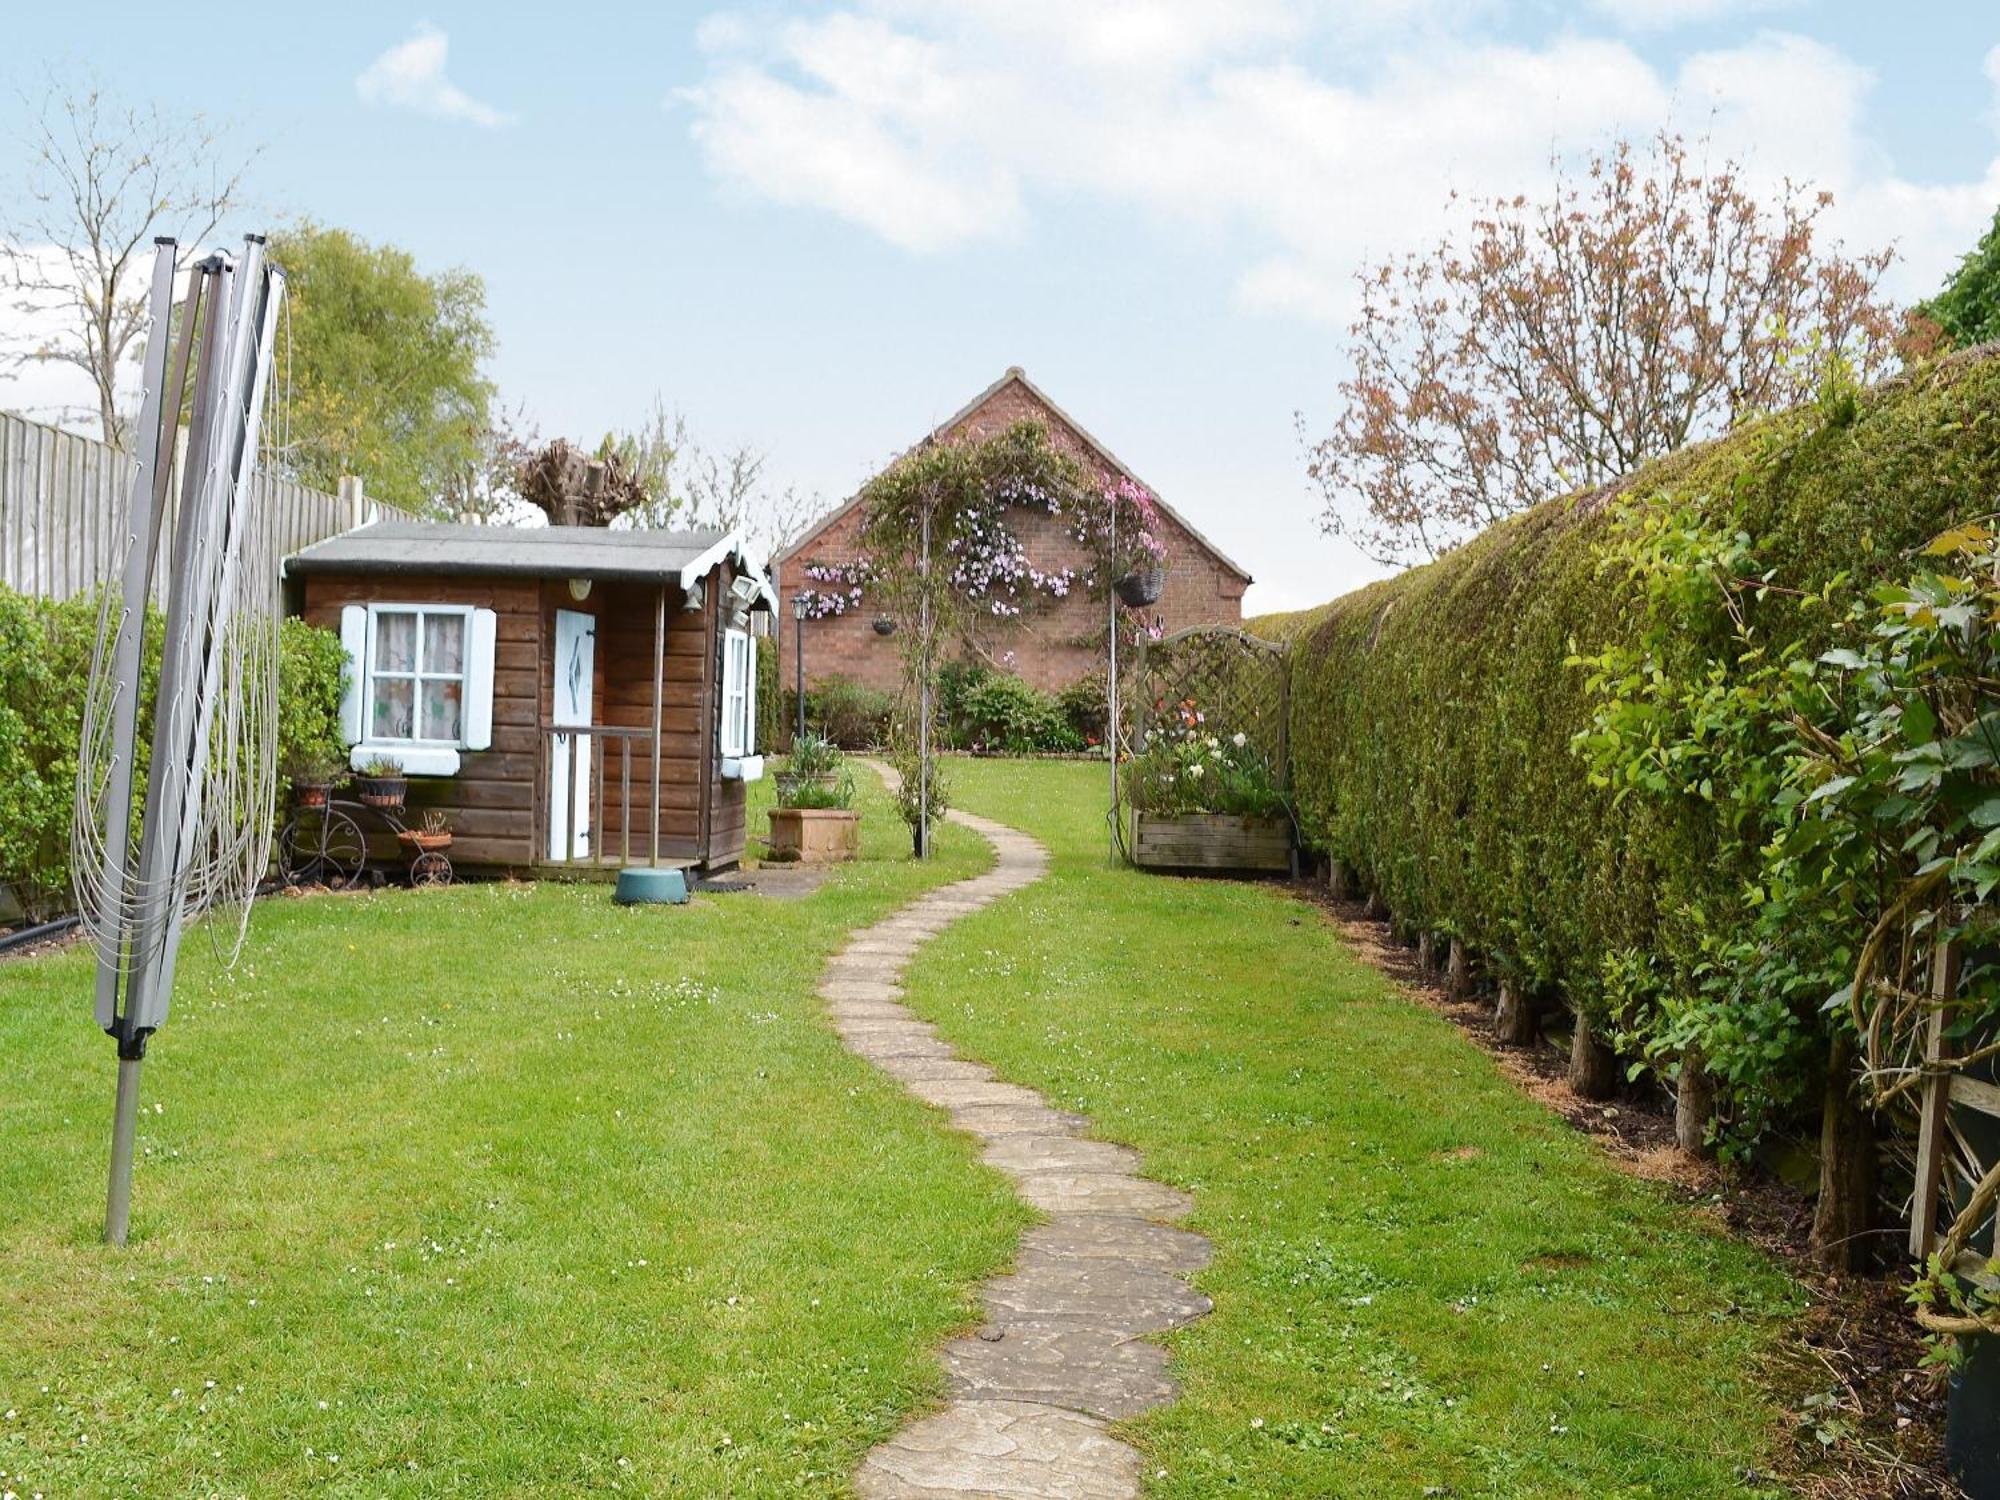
x=957 y=681
x=1084 y=708
x=1005 y=713
x=1556 y=742
x=45 y=656
x=1182 y=772
x=772 y=723
x=854 y=717
x=311 y=665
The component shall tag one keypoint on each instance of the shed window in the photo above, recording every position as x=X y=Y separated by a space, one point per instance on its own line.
x=739 y=693
x=416 y=674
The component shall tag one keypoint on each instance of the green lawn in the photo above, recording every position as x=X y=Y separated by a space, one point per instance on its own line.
x=489 y=1190
x=1423 y=1282
x=504 y=1190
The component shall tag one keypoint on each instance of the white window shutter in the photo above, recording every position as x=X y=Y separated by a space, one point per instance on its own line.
x=354 y=641
x=750 y=746
x=479 y=680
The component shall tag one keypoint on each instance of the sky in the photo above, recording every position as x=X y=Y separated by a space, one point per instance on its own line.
x=819 y=229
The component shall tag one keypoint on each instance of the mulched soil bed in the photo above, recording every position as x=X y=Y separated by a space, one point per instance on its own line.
x=1883 y=1437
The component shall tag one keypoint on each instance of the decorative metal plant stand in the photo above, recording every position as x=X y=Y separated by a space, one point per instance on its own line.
x=329 y=846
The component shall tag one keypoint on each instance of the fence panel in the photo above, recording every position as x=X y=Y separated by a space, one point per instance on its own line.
x=61 y=496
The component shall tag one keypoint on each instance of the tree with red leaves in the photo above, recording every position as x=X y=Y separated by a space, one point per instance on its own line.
x=1554 y=344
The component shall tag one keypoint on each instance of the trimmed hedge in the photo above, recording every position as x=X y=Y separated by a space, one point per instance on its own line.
x=1434 y=714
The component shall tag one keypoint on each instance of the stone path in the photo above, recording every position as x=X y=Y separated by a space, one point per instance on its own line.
x=1062 y=1353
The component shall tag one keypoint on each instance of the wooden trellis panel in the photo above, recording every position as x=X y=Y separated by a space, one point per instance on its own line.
x=1237 y=683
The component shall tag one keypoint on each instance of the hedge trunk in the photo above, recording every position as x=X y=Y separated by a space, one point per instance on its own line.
x=1339 y=883
x=1458 y=972
x=1593 y=1066
x=1426 y=953
x=1693 y=1106
x=1377 y=910
x=1514 y=1018
x=1845 y=1214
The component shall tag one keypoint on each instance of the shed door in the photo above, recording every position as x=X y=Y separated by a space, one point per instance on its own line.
x=569 y=805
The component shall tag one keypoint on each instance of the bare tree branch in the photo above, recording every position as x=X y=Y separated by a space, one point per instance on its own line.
x=103 y=181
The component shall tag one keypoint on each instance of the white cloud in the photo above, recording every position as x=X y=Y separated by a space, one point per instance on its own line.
x=1658 y=15
x=410 y=75
x=935 y=126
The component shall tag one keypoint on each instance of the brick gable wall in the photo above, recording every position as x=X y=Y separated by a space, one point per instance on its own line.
x=1056 y=641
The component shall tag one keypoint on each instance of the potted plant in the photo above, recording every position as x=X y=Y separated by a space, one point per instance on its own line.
x=432 y=834
x=313 y=778
x=814 y=822
x=381 y=783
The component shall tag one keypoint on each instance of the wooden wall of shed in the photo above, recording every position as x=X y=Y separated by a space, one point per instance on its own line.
x=493 y=799
x=496 y=802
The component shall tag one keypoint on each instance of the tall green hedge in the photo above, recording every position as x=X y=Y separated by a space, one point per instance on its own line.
x=1434 y=714
x=45 y=655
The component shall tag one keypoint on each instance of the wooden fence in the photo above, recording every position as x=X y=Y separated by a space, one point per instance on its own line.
x=61 y=494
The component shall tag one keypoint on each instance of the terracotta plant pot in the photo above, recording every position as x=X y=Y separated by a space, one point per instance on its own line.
x=382 y=791
x=310 y=794
x=424 y=841
x=814 y=835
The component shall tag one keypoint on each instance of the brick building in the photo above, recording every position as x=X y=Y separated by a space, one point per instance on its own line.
x=1052 y=645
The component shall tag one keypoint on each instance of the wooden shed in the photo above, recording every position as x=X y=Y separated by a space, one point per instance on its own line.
x=570 y=697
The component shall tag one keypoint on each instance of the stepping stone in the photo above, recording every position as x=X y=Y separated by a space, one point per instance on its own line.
x=866 y=1010
x=877 y=1047
x=1103 y=1193
x=1085 y=1369
x=859 y=989
x=1001 y=1450
x=1021 y=1154
x=993 y=1120
x=1069 y=1239
x=1114 y=1297
x=956 y=1094
x=916 y=1069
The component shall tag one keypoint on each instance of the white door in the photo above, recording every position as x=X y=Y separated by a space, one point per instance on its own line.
x=569 y=806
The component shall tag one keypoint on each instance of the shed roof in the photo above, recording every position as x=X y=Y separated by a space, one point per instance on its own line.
x=526 y=551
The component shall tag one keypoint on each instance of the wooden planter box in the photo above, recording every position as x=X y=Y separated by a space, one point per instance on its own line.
x=1211 y=841
x=814 y=835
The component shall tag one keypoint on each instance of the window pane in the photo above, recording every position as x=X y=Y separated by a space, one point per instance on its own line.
x=441 y=709
x=395 y=705
x=444 y=643
x=396 y=642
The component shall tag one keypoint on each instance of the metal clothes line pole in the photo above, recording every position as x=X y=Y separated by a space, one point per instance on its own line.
x=924 y=695
x=1111 y=689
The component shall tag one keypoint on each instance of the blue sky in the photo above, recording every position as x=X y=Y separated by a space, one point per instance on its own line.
x=819 y=228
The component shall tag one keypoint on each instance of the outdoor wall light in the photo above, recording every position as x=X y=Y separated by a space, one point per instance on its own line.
x=579 y=589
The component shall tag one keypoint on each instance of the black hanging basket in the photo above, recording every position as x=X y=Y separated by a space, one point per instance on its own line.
x=884 y=625
x=1142 y=586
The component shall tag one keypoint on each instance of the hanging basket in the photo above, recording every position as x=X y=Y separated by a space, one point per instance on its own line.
x=884 y=625
x=1141 y=586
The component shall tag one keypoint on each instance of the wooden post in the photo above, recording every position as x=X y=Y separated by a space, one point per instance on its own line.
x=1933 y=1110
x=659 y=686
